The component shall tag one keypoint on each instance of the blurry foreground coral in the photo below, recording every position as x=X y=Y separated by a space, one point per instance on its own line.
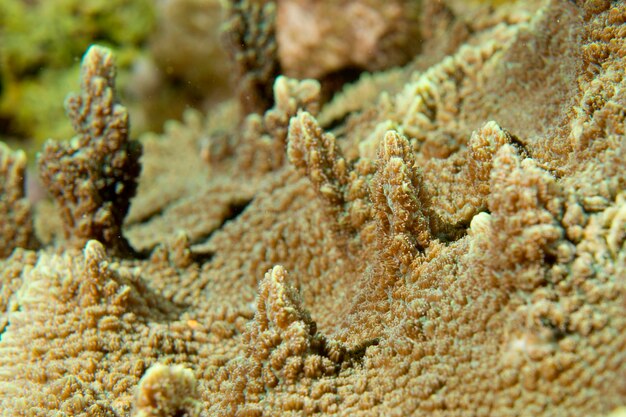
x=443 y=238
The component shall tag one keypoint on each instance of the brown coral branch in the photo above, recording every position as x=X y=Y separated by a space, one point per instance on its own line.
x=282 y=347
x=398 y=202
x=341 y=185
x=290 y=95
x=263 y=141
x=483 y=146
x=16 y=226
x=249 y=35
x=318 y=154
x=284 y=338
x=526 y=207
x=93 y=177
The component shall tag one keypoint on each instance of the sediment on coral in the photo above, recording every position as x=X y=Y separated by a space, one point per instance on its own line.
x=94 y=176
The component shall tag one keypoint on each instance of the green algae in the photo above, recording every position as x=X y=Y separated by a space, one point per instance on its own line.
x=41 y=43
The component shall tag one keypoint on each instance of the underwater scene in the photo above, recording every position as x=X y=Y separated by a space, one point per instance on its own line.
x=247 y=208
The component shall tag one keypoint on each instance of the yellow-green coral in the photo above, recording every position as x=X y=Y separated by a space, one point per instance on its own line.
x=41 y=43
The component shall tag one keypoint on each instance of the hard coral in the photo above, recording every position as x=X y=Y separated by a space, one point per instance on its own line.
x=16 y=227
x=454 y=244
x=93 y=177
x=249 y=34
x=166 y=391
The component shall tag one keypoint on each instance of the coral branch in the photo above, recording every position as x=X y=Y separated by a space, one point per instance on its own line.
x=291 y=95
x=397 y=198
x=279 y=304
x=342 y=186
x=249 y=35
x=93 y=177
x=483 y=146
x=319 y=156
x=284 y=337
x=261 y=144
x=16 y=226
x=283 y=347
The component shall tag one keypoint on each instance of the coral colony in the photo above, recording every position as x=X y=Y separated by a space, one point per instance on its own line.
x=404 y=209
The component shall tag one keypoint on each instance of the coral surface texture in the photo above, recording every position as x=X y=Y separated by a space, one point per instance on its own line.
x=403 y=208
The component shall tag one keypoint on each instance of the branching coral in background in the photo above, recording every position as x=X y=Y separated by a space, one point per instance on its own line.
x=94 y=176
x=291 y=95
x=299 y=39
x=342 y=186
x=249 y=34
x=16 y=227
x=264 y=138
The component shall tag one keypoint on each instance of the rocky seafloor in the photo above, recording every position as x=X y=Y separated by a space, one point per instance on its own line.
x=444 y=236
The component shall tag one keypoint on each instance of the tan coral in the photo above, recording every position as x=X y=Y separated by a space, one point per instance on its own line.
x=496 y=169
x=617 y=229
x=250 y=38
x=398 y=203
x=526 y=208
x=318 y=154
x=167 y=391
x=261 y=143
x=342 y=185
x=16 y=225
x=94 y=177
x=283 y=348
x=74 y=319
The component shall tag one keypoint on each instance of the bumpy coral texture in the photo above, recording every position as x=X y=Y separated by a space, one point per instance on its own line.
x=93 y=177
x=447 y=238
x=16 y=227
